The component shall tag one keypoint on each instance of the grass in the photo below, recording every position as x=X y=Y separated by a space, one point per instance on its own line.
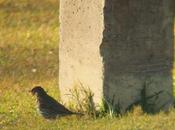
x=29 y=33
x=29 y=56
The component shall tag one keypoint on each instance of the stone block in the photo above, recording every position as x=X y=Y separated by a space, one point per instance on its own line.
x=121 y=49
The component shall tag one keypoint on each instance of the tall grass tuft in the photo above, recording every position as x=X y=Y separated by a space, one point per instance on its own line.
x=82 y=100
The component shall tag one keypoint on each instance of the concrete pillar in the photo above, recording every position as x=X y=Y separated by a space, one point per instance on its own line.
x=121 y=49
x=81 y=32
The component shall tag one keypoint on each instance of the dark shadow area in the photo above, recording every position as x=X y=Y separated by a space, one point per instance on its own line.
x=137 y=51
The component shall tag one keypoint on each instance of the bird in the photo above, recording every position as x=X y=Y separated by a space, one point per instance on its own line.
x=48 y=107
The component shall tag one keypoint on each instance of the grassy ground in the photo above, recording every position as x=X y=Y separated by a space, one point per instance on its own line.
x=29 y=56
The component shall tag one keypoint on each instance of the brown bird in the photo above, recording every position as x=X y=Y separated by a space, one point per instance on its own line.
x=48 y=107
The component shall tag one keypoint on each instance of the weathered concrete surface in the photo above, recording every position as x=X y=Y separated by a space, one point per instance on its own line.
x=137 y=51
x=135 y=40
x=81 y=35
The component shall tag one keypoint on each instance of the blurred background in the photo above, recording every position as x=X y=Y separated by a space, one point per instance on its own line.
x=29 y=39
x=28 y=55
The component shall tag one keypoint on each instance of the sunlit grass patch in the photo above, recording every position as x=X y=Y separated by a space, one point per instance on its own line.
x=29 y=38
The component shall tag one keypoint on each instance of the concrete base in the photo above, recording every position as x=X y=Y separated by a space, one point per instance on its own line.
x=153 y=91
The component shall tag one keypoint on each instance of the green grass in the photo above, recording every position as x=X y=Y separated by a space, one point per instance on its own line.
x=29 y=38
x=29 y=56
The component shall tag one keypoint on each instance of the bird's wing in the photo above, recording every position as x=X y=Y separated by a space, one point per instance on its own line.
x=45 y=105
x=56 y=106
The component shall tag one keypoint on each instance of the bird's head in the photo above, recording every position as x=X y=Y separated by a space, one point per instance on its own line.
x=37 y=90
